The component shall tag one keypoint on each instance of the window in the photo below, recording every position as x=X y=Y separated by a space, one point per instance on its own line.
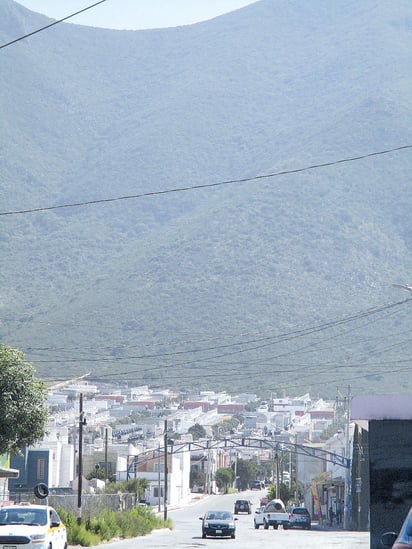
x=41 y=469
x=156 y=491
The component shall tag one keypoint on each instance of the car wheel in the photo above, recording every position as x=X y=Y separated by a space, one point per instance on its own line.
x=256 y=526
x=233 y=536
x=265 y=525
x=275 y=526
x=286 y=526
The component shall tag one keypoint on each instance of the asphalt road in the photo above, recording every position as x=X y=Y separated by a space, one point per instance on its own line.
x=187 y=531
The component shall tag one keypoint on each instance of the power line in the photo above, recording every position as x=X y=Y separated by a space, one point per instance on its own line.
x=259 y=342
x=202 y=338
x=50 y=24
x=231 y=348
x=206 y=185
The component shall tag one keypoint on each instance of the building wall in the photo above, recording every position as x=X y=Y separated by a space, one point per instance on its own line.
x=390 y=462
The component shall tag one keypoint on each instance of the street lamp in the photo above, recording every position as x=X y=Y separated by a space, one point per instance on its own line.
x=403 y=287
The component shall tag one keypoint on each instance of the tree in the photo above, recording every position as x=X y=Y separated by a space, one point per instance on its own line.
x=246 y=471
x=101 y=475
x=285 y=493
x=197 y=478
x=23 y=402
x=224 y=478
x=197 y=431
x=132 y=486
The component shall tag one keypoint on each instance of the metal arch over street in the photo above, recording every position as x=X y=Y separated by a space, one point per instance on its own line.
x=263 y=444
x=178 y=446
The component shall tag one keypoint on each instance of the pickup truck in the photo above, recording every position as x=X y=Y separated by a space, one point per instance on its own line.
x=275 y=514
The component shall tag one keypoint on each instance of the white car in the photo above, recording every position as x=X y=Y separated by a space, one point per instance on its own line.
x=259 y=517
x=34 y=526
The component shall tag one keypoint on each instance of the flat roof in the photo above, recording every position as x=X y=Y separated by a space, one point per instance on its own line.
x=381 y=406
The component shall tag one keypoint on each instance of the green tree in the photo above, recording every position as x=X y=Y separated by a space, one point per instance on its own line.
x=285 y=493
x=246 y=471
x=101 y=475
x=23 y=402
x=132 y=486
x=197 y=478
x=251 y=406
x=197 y=431
x=224 y=478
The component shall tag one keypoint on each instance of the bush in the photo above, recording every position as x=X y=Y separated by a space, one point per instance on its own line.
x=78 y=534
x=108 y=525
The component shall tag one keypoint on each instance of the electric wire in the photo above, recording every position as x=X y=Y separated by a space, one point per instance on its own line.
x=269 y=340
x=194 y=373
x=206 y=185
x=23 y=37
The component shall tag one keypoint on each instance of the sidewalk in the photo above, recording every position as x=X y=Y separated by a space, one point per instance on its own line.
x=325 y=525
x=191 y=499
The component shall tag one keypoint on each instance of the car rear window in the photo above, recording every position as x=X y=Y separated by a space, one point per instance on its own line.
x=300 y=512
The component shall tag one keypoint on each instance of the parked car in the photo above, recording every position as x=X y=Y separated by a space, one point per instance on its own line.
x=257 y=485
x=275 y=515
x=403 y=540
x=34 y=526
x=259 y=516
x=218 y=523
x=243 y=506
x=299 y=517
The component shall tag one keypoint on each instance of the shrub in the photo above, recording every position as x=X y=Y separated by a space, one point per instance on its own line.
x=108 y=525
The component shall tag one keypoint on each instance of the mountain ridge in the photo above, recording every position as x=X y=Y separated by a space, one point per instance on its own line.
x=271 y=87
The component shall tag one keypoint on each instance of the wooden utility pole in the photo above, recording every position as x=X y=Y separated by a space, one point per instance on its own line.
x=166 y=471
x=106 y=440
x=80 y=466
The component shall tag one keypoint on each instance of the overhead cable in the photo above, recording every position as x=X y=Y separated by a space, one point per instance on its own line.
x=207 y=185
x=50 y=24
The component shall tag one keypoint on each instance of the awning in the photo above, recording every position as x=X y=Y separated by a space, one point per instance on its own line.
x=5 y=472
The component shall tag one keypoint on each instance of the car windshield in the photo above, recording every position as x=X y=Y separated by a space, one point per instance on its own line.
x=23 y=516
x=219 y=515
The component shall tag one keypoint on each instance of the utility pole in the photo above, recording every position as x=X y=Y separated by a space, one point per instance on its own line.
x=277 y=473
x=158 y=477
x=347 y=502
x=296 y=469
x=80 y=467
x=106 y=440
x=165 y=473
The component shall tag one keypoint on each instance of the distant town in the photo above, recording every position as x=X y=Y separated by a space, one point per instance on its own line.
x=123 y=431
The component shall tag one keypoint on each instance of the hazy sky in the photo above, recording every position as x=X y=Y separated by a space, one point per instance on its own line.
x=136 y=14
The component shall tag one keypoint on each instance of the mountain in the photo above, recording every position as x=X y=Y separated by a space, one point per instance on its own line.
x=141 y=236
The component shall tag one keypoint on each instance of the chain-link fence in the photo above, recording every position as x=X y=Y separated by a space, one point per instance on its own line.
x=91 y=504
